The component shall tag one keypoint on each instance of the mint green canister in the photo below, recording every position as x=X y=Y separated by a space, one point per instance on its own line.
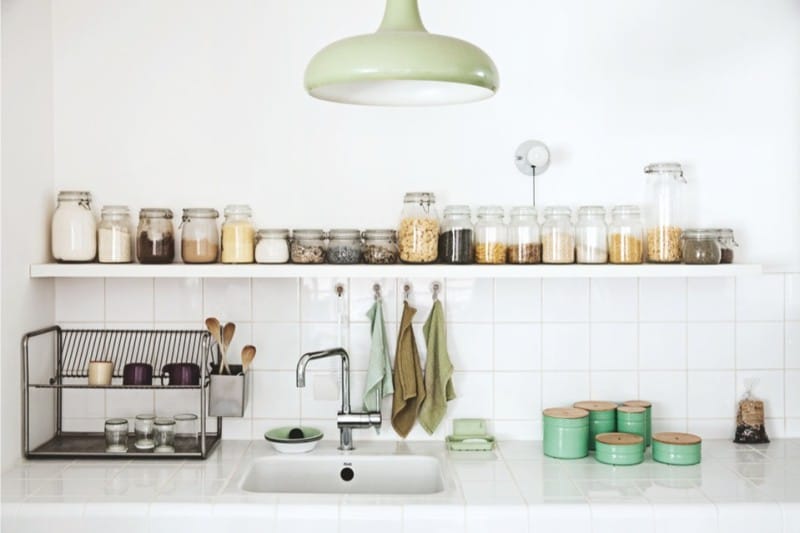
x=648 y=413
x=566 y=432
x=602 y=418
x=621 y=449
x=681 y=449
x=632 y=420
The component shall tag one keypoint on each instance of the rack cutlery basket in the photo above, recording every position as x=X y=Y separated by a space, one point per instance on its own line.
x=228 y=392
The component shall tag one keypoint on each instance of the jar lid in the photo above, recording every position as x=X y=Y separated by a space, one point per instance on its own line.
x=238 y=209
x=115 y=210
x=637 y=403
x=700 y=233
x=591 y=210
x=619 y=439
x=146 y=417
x=626 y=210
x=307 y=234
x=557 y=210
x=117 y=422
x=565 y=412
x=74 y=195
x=155 y=212
x=654 y=168
x=421 y=197
x=200 y=212
x=595 y=406
x=671 y=437
x=630 y=409
x=346 y=234
x=185 y=417
x=490 y=211
x=463 y=210
x=164 y=421
x=380 y=234
x=723 y=233
x=523 y=211
x=273 y=233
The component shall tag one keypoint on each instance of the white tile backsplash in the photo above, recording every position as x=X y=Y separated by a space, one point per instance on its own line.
x=760 y=298
x=470 y=346
x=667 y=392
x=517 y=347
x=275 y=300
x=80 y=300
x=565 y=346
x=711 y=345
x=712 y=394
x=227 y=299
x=129 y=300
x=517 y=395
x=662 y=299
x=662 y=346
x=711 y=299
x=565 y=300
x=178 y=300
x=614 y=346
x=517 y=300
x=614 y=299
x=470 y=300
x=759 y=345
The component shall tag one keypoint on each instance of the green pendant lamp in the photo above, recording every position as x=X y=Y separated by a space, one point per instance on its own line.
x=401 y=65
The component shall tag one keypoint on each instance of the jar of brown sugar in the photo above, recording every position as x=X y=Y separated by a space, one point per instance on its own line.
x=199 y=235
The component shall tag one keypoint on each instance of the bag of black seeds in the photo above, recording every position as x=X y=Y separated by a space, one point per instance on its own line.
x=750 y=428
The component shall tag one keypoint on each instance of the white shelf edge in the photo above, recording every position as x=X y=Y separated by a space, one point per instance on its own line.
x=95 y=270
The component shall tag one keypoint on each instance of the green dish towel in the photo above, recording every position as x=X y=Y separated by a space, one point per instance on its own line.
x=379 y=373
x=409 y=387
x=438 y=371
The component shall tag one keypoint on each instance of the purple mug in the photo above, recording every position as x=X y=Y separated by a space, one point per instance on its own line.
x=181 y=374
x=137 y=374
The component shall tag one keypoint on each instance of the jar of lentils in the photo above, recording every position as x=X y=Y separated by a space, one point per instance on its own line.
x=418 y=235
x=524 y=241
x=558 y=237
x=380 y=246
x=308 y=246
x=344 y=246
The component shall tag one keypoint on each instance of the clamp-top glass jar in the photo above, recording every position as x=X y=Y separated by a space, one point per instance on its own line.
x=726 y=245
x=490 y=236
x=308 y=246
x=558 y=238
x=114 y=242
x=418 y=235
x=701 y=247
x=344 y=246
x=664 y=212
x=380 y=246
x=74 y=229
x=456 y=237
x=155 y=241
x=272 y=246
x=625 y=235
x=199 y=235
x=591 y=235
x=524 y=241
x=238 y=235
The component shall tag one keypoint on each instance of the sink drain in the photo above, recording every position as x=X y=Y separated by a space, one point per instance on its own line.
x=347 y=474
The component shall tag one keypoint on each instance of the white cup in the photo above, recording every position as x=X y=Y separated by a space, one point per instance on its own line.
x=100 y=372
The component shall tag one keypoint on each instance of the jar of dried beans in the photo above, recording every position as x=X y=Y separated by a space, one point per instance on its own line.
x=490 y=236
x=380 y=246
x=558 y=238
x=625 y=235
x=524 y=241
x=664 y=211
x=308 y=246
x=418 y=235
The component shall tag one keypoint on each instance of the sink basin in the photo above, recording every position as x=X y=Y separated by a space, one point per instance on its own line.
x=352 y=474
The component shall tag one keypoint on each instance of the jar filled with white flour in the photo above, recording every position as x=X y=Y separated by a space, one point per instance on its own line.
x=74 y=229
x=114 y=242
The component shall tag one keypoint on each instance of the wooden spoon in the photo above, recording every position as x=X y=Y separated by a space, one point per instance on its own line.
x=213 y=325
x=248 y=354
x=227 y=337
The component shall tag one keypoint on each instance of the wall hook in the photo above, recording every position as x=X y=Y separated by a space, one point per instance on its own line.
x=376 y=288
x=406 y=291
x=435 y=287
x=339 y=290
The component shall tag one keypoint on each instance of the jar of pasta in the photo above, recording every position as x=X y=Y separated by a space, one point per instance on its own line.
x=664 y=212
x=558 y=236
x=490 y=236
x=418 y=235
x=238 y=235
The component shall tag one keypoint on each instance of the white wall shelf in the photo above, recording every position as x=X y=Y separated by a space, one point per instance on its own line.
x=94 y=270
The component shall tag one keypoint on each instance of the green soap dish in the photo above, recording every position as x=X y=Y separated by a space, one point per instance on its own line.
x=469 y=435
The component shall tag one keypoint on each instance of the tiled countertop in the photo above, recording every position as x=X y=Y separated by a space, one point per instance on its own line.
x=736 y=488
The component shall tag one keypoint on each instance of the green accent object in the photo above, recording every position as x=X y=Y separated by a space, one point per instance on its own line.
x=602 y=418
x=438 y=371
x=566 y=433
x=679 y=449
x=470 y=435
x=648 y=413
x=401 y=65
x=379 y=372
x=282 y=434
x=632 y=420
x=622 y=449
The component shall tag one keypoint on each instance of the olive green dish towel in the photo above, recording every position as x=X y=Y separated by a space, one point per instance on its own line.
x=438 y=371
x=409 y=387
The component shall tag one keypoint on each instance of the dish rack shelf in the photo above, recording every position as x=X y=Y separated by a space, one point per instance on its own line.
x=56 y=359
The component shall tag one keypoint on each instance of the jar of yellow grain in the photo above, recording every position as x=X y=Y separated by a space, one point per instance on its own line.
x=491 y=236
x=418 y=234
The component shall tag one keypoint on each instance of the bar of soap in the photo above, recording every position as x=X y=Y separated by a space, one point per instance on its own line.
x=296 y=433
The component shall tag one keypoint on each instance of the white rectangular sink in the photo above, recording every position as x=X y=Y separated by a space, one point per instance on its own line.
x=345 y=474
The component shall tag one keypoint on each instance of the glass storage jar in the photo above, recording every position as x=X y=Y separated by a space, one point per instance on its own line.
x=490 y=236
x=272 y=246
x=238 y=235
x=591 y=235
x=74 y=230
x=308 y=246
x=380 y=246
x=116 y=433
x=186 y=427
x=625 y=235
x=701 y=247
x=199 y=235
x=114 y=243
x=524 y=241
x=143 y=429
x=164 y=435
x=418 y=236
x=456 y=236
x=664 y=212
x=155 y=243
x=558 y=238
x=726 y=245
x=344 y=246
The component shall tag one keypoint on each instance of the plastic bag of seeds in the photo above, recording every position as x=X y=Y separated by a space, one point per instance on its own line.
x=750 y=428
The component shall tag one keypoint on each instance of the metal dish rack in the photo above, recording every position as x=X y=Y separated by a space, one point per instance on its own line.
x=55 y=359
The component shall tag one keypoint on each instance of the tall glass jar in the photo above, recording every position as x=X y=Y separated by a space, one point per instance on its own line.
x=726 y=244
x=272 y=246
x=418 y=235
x=664 y=212
x=456 y=236
x=625 y=235
x=524 y=241
x=591 y=235
x=199 y=235
x=558 y=237
x=308 y=246
x=344 y=246
x=380 y=246
x=155 y=241
x=238 y=235
x=491 y=236
x=74 y=229
x=114 y=242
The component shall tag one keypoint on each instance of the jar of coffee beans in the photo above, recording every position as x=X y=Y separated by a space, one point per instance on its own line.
x=455 y=239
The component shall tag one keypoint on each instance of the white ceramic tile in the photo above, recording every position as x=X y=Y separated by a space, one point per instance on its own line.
x=767 y=385
x=713 y=428
x=517 y=429
x=92 y=425
x=793 y=394
x=307 y=518
x=517 y=395
x=276 y=300
x=711 y=394
x=470 y=346
x=129 y=300
x=474 y=395
x=517 y=300
x=614 y=346
x=565 y=300
x=319 y=301
x=615 y=386
x=792 y=288
x=792 y=426
x=517 y=347
x=275 y=395
x=172 y=402
x=277 y=345
x=711 y=299
x=561 y=389
x=567 y=518
x=685 y=517
x=792 y=344
x=614 y=299
x=662 y=346
x=129 y=403
x=227 y=299
x=565 y=346
x=318 y=336
x=79 y=300
x=760 y=298
x=172 y=516
x=662 y=299
x=759 y=345
x=505 y=518
x=245 y=517
x=178 y=300
x=666 y=390
x=362 y=298
x=434 y=518
x=238 y=428
x=670 y=424
x=764 y=517
x=470 y=300
x=83 y=403
x=243 y=335
x=320 y=397
x=712 y=346
x=371 y=518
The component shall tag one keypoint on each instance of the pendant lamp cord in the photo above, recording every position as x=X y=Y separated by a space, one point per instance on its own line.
x=533 y=186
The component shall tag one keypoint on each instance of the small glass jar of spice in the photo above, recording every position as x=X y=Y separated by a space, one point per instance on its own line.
x=701 y=247
x=155 y=241
x=344 y=246
x=455 y=239
x=380 y=247
x=199 y=235
x=726 y=245
x=272 y=246
x=524 y=241
x=308 y=246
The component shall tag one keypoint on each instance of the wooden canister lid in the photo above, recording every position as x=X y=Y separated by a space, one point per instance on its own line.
x=565 y=412
x=629 y=409
x=671 y=437
x=637 y=403
x=596 y=406
x=620 y=439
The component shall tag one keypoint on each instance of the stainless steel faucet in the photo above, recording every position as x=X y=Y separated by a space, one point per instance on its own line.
x=345 y=420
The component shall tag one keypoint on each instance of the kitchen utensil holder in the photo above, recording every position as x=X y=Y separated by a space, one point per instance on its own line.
x=228 y=392
x=56 y=359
